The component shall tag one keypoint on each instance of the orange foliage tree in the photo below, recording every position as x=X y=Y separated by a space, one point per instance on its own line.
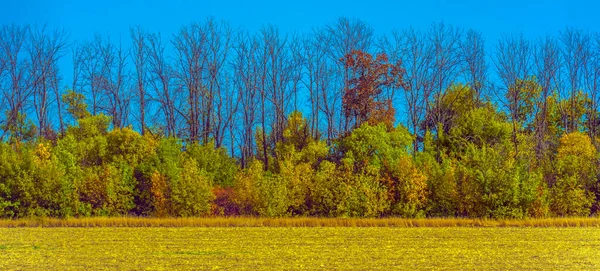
x=362 y=100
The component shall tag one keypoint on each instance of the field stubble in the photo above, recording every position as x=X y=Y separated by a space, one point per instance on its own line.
x=328 y=248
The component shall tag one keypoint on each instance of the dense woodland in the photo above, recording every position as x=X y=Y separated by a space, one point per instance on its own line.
x=335 y=122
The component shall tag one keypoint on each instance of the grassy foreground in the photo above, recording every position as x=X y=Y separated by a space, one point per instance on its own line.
x=260 y=248
x=295 y=222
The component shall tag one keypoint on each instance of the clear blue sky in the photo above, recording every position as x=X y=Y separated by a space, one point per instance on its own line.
x=83 y=18
x=114 y=17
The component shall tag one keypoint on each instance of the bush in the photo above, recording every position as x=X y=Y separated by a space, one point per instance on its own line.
x=261 y=193
x=214 y=162
x=191 y=191
x=361 y=195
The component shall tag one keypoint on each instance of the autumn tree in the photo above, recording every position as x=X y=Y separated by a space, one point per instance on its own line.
x=368 y=75
x=75 y=103
x=345 y=36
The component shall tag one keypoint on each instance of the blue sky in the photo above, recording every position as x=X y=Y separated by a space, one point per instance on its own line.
x=113 y=17
x=83 y=18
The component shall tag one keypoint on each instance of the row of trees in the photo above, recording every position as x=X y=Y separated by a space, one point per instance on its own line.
x=472 y=171
x=209 y=81
x=408 y=124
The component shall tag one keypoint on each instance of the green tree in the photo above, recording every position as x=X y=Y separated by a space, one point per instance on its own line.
x=576 y=176
x=191 y=192
x=76 y=105
x=261 y=193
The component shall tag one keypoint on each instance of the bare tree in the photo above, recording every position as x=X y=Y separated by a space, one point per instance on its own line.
x=77 y=59
x=218 y=104
x=575 y=55
x=266 y=40
x=320 y=74
x=245 y=74
x=472 y=54
x=281 y=78
x=139 y=54
x=547 y=64
x=161 y=78
x=16 y=82
x=104 y=76
x=592 y=84
x=444 y=45
x=189 y=47
x=513 y=65
x=413 y=49
x=45 y=49
x=316 y=79
x=115 y=84
x=295 y=64
x=93 y=70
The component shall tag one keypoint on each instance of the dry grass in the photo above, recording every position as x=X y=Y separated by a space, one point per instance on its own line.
x=295 y=222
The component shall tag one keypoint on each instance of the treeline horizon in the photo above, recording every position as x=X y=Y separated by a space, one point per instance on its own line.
x=336 y=122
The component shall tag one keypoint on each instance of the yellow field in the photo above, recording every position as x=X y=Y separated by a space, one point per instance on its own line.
x=277 y=248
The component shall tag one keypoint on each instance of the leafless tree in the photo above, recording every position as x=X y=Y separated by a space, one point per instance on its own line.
x=281 y=78
x=475 y=69
x=104 y=77
x=444 y=45
x=15 y=82
x=547 y=65
x=592 y=84
x=295 y=64
x=413 y=49
x=45 y=49
x=575 y=55
x=190 y=54
x=161 y=78
x=218 y=103
x=316 y=81
x=246 y=77
x=267 y=41
x=513 y=65
x=77 y=51
x=116 y=85
x=93 y=70
x=139 y=55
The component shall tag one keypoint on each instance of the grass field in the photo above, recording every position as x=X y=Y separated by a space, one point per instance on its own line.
x=277 y=248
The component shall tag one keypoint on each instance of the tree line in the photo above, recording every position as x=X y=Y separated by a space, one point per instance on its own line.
x=334 y=122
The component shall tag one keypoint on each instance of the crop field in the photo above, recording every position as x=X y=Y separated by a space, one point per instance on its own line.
x=329 y=248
